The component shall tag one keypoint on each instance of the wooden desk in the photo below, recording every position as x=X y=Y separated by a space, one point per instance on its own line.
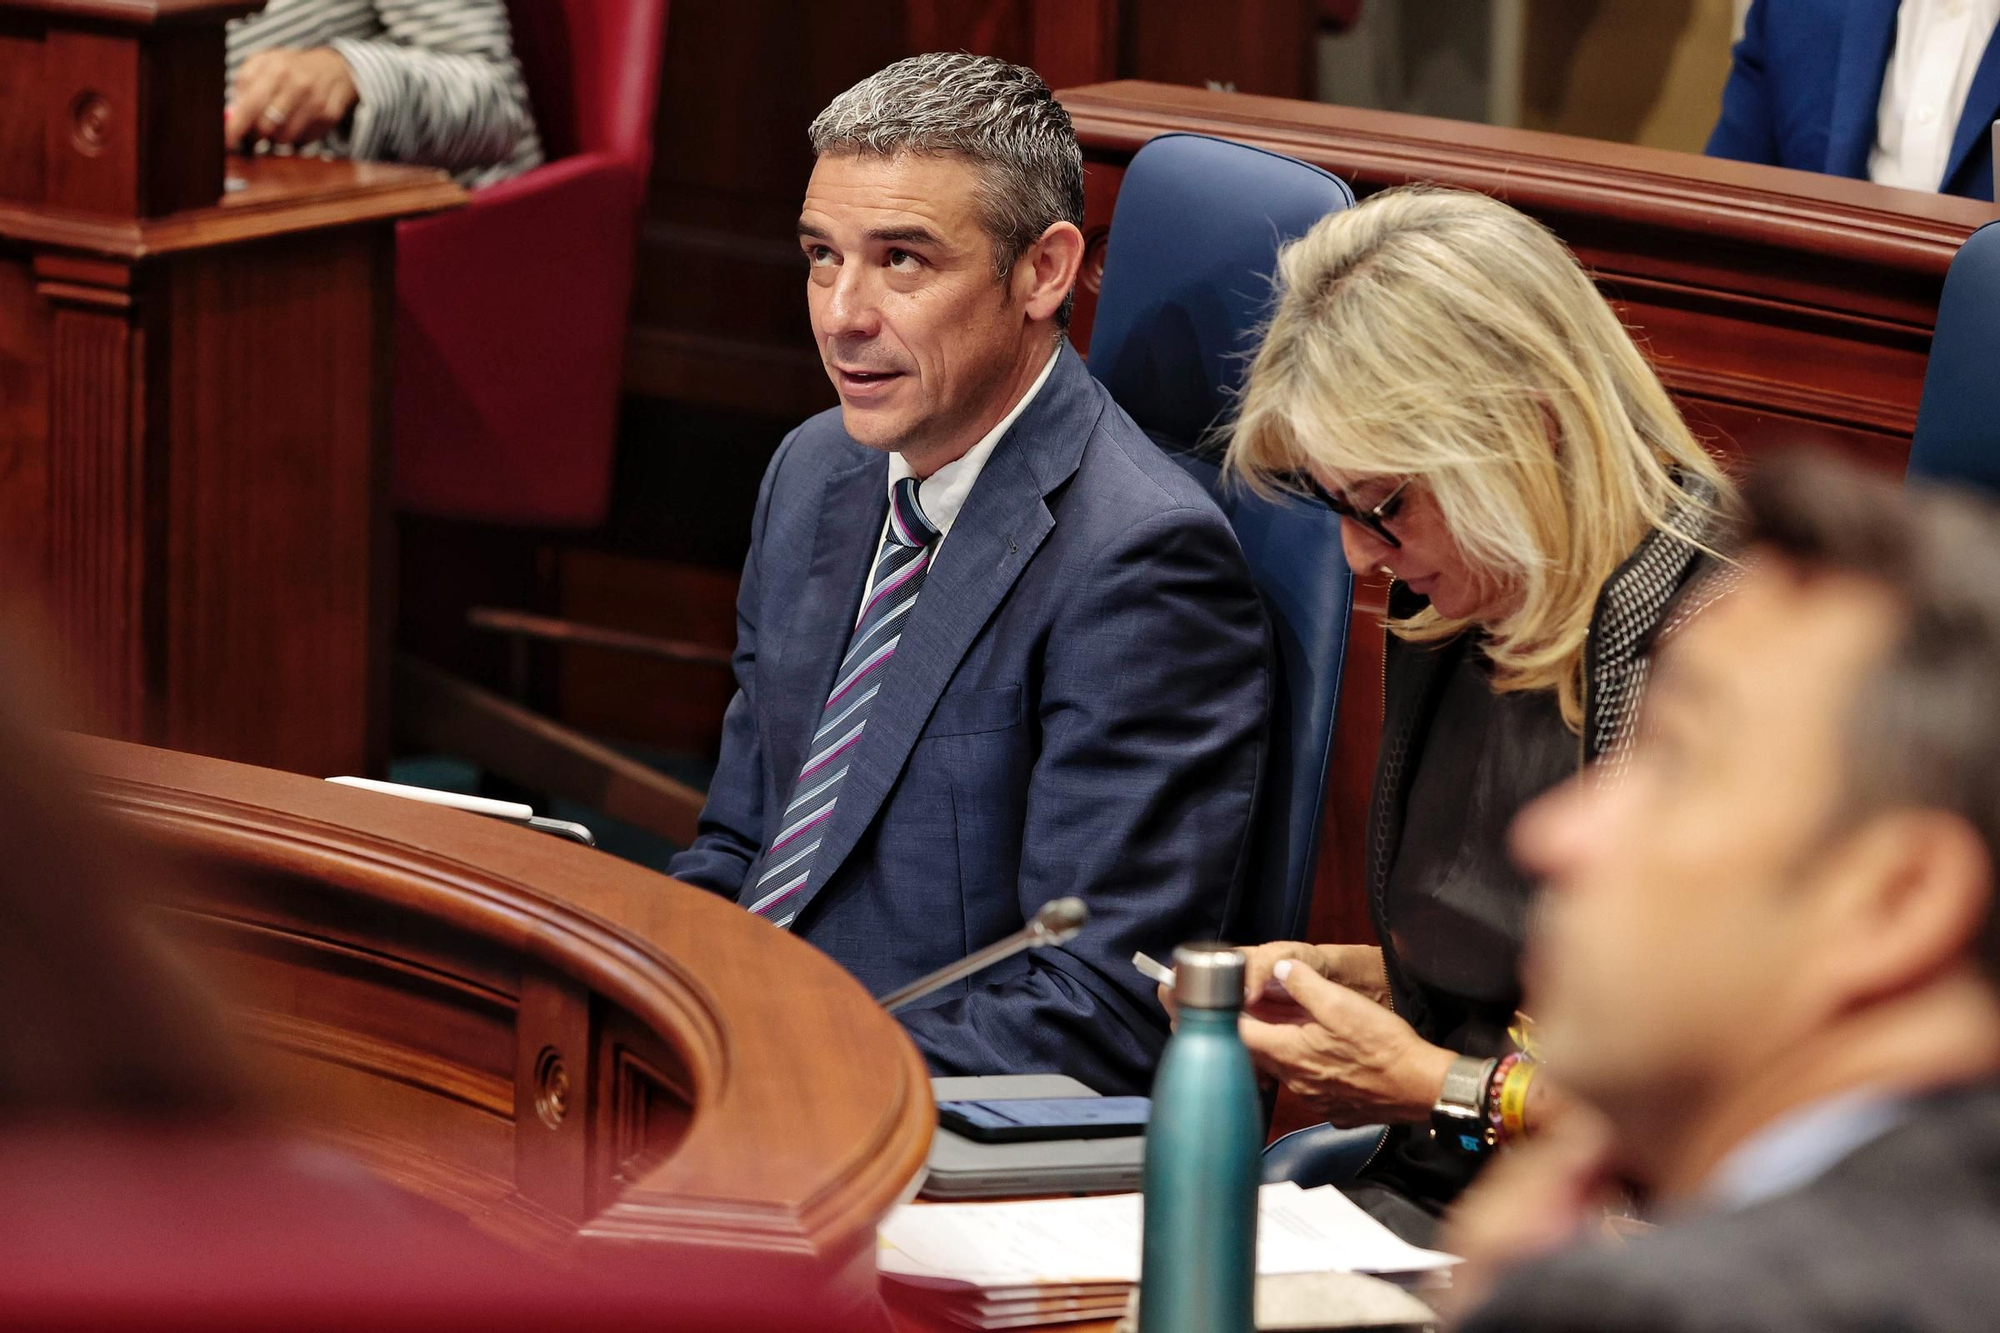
x=586 y=1059
x=193 y=391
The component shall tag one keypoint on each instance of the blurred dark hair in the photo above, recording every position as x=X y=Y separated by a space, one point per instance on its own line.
x=1925 y=726
x=97 y=1015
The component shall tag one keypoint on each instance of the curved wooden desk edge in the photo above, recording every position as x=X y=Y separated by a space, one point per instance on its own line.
x=755 y=1013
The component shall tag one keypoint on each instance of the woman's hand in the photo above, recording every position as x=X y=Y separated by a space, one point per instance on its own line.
x=289 y=97
x=1348 y=1058
x=1358 y=967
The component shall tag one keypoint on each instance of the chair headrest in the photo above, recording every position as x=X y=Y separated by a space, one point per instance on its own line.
x=1187 y=274
x=1955 y=439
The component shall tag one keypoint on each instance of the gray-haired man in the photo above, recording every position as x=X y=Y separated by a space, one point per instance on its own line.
x=993 y=646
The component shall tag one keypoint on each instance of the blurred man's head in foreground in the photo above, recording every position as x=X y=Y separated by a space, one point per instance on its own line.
x=1790 y=893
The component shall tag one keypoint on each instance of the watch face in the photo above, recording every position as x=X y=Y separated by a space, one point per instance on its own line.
x=1469 y=1144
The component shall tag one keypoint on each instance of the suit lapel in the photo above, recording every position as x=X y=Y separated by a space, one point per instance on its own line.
x=1865 y=43
x=1982 y=103
x=1004 y=523
x=805 y=650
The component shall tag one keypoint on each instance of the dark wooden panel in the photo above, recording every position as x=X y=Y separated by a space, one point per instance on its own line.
x=22 y=151
x=667 y=704
x=90 y=118
x=102 y=550
x=1251 y=46
x=274 y=621
x=25 y=336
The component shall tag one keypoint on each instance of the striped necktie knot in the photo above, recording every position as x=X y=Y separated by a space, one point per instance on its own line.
x=908 y=524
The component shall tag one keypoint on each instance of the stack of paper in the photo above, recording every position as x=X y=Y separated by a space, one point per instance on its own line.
x=1045 y=1261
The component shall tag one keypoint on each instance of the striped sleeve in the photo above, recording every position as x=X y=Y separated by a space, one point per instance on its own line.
x=440 y=87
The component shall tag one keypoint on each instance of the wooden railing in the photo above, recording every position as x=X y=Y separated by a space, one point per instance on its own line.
x=583 y=1057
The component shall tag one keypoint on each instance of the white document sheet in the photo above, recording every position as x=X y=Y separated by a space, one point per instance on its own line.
x=1096 y=1240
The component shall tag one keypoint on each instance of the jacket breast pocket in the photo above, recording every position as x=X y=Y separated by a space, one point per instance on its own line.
x=968 y=712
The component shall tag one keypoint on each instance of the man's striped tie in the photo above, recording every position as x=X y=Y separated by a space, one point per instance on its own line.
x=899 y=576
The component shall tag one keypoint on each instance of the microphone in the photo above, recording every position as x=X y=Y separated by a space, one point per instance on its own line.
x=1058 y=922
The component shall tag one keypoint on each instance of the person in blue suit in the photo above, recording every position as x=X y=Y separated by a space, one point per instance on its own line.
x=1899 y=93
x=993 y=646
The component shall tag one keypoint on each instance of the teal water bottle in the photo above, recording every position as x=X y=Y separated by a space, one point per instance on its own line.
x=1198 y=1269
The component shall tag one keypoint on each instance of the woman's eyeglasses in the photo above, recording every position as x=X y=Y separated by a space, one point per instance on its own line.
x=1375 y=517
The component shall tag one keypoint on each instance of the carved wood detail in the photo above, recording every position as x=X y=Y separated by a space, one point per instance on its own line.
x=102 y=540
x=416 y=976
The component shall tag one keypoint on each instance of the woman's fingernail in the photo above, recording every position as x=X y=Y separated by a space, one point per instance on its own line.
x=1282 y=971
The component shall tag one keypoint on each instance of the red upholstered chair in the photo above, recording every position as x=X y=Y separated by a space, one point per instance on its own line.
x=510 y=342
x=510 y=329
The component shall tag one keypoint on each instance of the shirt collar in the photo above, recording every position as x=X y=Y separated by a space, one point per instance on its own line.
x=1799 y=1147
x=943 y=493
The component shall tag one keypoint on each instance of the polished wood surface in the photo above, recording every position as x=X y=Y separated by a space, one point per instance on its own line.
x=113 y=103
x=191 y=445
x=1779 y=307
x=583 y=1057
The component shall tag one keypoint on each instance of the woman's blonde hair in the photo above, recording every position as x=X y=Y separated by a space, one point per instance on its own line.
x=1440 y=335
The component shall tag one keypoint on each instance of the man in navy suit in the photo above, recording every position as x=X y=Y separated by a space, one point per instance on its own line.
x=1902 y=94
x=993 y=646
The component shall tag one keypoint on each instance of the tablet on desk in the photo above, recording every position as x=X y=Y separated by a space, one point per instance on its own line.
x=1040 y=1119
x=960 y=1168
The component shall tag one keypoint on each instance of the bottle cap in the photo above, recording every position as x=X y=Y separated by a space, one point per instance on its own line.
x=1208 y=976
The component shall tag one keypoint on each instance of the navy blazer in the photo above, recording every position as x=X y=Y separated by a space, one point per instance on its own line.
x=1078 y=706
x=1805 y=83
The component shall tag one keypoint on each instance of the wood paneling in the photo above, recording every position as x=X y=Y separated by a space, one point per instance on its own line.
x=274 y=621
x=110 y=113
x=26 y=335
x=582 y=1057
x=193 y=467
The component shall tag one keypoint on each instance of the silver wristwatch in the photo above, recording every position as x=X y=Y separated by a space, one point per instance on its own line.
x=1458 y=1120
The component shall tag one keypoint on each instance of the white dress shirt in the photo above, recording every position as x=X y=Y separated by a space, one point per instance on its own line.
x=942 y=494
x=1800 y=1147
x=1938 y=47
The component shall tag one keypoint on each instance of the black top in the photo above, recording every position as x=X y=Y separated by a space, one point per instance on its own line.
x=1456 y=906
x=1457 y=763
x=1453 y=908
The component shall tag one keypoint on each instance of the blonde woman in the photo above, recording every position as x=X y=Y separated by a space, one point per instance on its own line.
x=1442 y=372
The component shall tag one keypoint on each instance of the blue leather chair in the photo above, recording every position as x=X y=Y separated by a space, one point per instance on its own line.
x=1958 y=420
x=1187 y=285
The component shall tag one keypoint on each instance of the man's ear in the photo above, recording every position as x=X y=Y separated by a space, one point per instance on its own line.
x=1906 y=902
x=1046 y=272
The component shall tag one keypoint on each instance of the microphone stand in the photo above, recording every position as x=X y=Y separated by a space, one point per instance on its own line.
x=1058 y=921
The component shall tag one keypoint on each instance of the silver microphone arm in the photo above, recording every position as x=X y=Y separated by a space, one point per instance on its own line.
x=1058 y=921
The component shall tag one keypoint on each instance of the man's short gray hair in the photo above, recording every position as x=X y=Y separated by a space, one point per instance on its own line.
x=1001 y=116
